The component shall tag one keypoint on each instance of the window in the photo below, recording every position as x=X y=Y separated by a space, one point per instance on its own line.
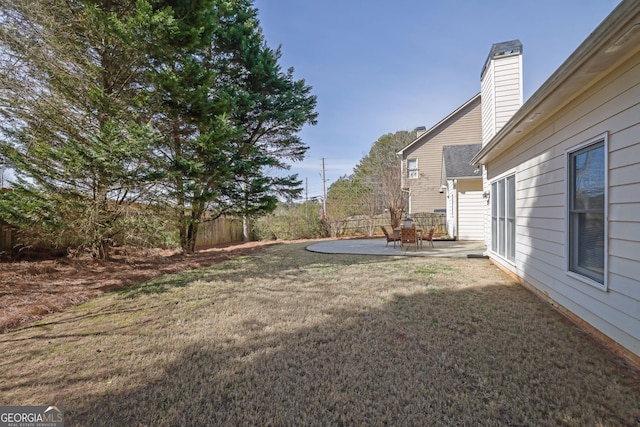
x=503 y=217
x=494 y=217
x=586 y=205
x=412 y=168
x=510 y=231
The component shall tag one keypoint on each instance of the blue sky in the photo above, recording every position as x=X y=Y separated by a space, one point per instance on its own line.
x=378 y=67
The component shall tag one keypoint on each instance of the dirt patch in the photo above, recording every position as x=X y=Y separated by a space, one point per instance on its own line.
x=31 y=289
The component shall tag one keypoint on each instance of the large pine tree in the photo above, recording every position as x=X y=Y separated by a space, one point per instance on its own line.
x=272 y=108
x=71 y=77
x=190 y=105
x=106 y=104
x=229 y=115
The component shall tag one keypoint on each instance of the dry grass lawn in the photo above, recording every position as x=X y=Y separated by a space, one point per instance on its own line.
x=289 y=337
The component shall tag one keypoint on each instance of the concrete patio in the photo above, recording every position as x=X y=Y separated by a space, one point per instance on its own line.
x=443 y=248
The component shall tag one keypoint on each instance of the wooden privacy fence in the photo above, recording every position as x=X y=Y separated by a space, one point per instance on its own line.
x=217 y=231
x=213 y=232
x=370 y=226
x=427 y=220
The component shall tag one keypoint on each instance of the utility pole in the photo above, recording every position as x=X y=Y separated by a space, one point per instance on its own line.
x=324 y=192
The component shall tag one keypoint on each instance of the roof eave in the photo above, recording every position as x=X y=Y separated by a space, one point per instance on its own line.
x=465 y=177
x=437 y=125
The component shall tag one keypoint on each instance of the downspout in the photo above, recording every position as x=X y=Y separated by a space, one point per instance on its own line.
x=409 y=192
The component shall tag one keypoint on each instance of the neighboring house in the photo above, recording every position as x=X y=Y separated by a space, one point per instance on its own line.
x=423 y=162
x=422 y=158
x=462 y=186
x=564 y=181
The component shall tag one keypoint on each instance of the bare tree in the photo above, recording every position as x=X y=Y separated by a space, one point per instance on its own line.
x=381 y=171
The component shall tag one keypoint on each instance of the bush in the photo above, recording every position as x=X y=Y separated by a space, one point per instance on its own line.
x=291 y=221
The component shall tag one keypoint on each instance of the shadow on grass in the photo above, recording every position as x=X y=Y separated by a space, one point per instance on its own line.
x=44 y=327
x=490 y=355
x=240 y=269
x=163 y=284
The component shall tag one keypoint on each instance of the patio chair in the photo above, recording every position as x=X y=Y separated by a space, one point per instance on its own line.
x=429 y=236
x=393 y=237
x=408 y=236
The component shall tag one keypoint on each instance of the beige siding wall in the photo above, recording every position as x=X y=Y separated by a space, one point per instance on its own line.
x=464 y=128
x=612 y=106
x=471 y=207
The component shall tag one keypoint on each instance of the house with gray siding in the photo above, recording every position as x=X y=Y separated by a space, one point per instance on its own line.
x=563 y=180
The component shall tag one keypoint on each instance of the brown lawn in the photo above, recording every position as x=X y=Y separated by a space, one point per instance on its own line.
x=30 y=290
x=282 y=336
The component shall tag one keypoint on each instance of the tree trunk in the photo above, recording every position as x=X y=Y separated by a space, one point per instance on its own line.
x=100 y=225
x=246 y=229
x=396 y=216
x=183 y=229
x=183 y=220
x=192 y=232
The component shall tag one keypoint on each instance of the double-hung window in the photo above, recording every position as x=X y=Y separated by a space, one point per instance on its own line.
x=412 y=168
x=503 y=217
x=586 y=222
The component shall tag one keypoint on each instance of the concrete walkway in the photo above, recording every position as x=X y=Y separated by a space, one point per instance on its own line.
x=444 y=248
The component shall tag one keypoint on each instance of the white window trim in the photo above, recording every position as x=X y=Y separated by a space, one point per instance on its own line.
x=417 y=169
x=504 y=177
x=584 y=279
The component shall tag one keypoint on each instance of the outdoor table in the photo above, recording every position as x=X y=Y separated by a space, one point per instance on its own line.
x=418 y=235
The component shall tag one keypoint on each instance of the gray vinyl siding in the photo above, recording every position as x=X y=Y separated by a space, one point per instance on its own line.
x=462 y=128
x=507 y=88
x=488 y=105
x=611 y=106
x=501 y=94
